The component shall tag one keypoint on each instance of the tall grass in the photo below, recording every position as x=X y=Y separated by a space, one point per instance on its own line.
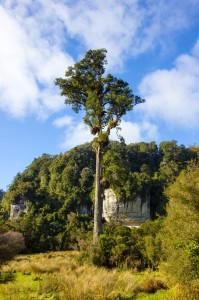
x=89 y=283
x=187 y=292
x=61 y=276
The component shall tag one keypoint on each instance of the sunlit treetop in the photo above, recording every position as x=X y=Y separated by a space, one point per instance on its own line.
x=104 y=98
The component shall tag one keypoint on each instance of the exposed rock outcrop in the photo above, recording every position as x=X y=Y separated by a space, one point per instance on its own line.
x=17 y=209
x=131 y=213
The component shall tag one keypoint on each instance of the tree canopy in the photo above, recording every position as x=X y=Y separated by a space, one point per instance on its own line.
x=105 y=100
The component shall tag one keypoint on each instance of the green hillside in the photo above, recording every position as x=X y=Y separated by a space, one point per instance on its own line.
x=53 y=187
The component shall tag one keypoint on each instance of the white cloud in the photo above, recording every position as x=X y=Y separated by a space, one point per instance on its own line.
x=35 y=37
x=77 y=133
x=103 y=24
x=125 y=28
x=173 y=95
x=63 y=121
x=136 y=132
x=29 y=64
x=131 y=132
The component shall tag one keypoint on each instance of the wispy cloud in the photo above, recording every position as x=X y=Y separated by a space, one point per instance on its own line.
x=29 y=64
x=136 y=132
x=76 y=132
x=173 y=95
x=126 y=28
x=35 y=37
x=63 y=121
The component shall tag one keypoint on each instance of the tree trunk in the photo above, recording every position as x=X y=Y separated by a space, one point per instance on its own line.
x=98 y=197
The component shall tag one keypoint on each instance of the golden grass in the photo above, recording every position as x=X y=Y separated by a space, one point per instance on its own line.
x=60 y=276
x=190 y=292
x=41 y=263
x=88 y=282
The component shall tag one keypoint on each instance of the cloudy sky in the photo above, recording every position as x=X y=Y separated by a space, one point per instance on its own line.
x=151 y=44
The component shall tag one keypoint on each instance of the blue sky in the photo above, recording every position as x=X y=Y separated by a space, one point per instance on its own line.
x=152 y=44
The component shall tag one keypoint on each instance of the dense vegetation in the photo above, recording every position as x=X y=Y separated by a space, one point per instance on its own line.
x=180 y=231
x=58 y=191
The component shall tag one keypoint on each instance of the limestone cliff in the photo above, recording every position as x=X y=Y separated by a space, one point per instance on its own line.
x=17 y=209
x=131 y=213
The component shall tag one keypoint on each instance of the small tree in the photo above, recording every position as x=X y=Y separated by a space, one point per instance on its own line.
x=105 y=100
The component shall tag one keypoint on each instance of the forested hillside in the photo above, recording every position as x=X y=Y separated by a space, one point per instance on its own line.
x=58 y=190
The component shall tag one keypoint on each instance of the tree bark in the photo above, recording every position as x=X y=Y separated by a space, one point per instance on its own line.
x=98 y=207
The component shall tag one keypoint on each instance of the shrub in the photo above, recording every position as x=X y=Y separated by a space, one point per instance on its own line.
x=115 y=248
x=11 y=243
x=150 y=286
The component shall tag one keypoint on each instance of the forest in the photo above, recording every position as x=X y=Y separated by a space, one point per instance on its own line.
x=55 y=189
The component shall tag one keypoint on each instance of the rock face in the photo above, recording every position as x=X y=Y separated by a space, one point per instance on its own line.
x=132 y=213
x=17 y=209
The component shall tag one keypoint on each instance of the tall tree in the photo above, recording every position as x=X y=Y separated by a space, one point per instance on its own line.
x=105 y=100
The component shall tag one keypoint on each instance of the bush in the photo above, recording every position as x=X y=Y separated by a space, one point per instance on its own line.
x=150 y=286
x=11 y=243
x=115 y=248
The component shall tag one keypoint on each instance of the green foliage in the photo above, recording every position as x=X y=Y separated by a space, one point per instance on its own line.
x=148 y=243
x=104 y=99
x=53 y=187
x=180 y=236
x=115 y=248
x=58 y=185
x=122 y=247
x=174 y=159
x=116 y=168
x=77 y=230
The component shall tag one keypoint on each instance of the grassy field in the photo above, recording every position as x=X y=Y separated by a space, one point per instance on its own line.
x=60 y=276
